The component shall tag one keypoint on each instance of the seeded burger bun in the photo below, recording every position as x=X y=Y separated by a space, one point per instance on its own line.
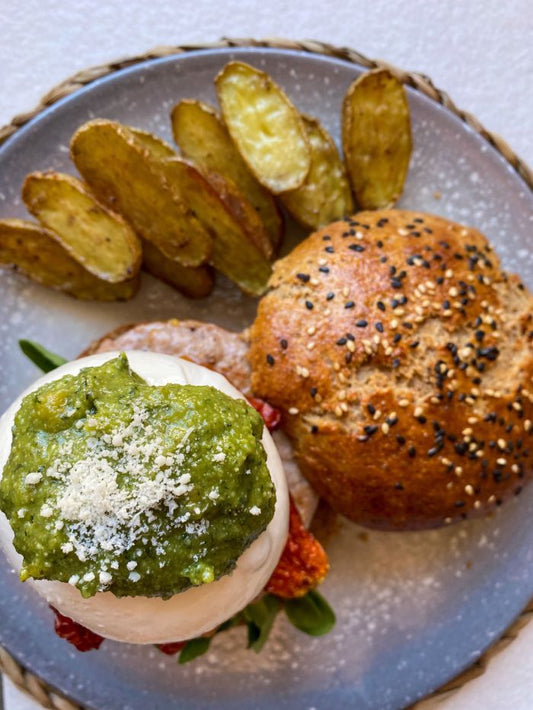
x=400 y=355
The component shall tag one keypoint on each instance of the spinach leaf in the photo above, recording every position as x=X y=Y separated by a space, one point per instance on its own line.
x=40 y=356
x=310 y=614
x=194 y=648
x=259 y=618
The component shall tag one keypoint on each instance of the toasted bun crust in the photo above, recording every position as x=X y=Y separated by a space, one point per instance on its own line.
x=401 y=357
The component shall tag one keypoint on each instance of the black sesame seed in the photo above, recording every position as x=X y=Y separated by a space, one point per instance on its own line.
x=379 y=327
x=412 y=452
x=270 y=359
x=397 y=338
x=384 y=259
x=370 y=429
x=341 y=341
x=398 y=486
x=350 y=336
x=313 y=391
x=356 y=247
x=392 y=270
x=422 y=419
x=314 y=429
x=371 y=409
x=330 y=250
x=348 y=358
x=284 y=344
x=326 y=238
x=361 y=323
x=395 y=363
x=349 y=304
x=414 y=344
x=381 y=305
x=324 y=269
x=400 y=439
x=460 y=504
x=396 y=283
x=309 y=305
x=303 y=277
x=379 y=243
x=330 y=296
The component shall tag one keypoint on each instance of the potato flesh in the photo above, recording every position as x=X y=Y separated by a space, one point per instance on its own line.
x=36 y=252
x=265 y=126
x=203 y=139
x=233 y=252
x=325 y=195
x=194 y=282
x=124 y=176
x=376 y=129
x=93 y=235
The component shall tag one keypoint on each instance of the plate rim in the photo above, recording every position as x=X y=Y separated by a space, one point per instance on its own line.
x=25 y=680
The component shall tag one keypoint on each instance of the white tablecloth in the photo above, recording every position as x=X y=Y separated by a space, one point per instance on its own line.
x=477 y=50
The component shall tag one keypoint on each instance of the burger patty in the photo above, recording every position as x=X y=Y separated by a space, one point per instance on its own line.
x=218 y=349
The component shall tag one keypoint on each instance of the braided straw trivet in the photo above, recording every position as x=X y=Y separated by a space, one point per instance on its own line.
x=21 y=677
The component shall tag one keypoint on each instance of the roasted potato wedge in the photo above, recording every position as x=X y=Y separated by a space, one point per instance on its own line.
x=194 y=282
x=234 y=200
x=157 y=146
x=203 y=139
x=97 y=238
x=233 y=252
x=325 y=195
x=266 y=128
x=376 y=138
x=242 y=210
x=37 y=253
x=124 y=175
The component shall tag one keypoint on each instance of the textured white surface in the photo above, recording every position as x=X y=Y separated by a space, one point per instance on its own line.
x=477 y=50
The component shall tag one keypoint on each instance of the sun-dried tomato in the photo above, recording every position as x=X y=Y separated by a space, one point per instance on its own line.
x=271 y=416
x=171 y=648
x=76 y=634
x=303 y=563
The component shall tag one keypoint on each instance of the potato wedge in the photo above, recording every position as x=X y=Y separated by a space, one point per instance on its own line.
x=157 y=146
x=194 y=282
x=265 y=127
x=234 y=200
x=233 y=252
x=97 y=238
x=36 y=252
x=204 y=140
x=376 y=138
x=124 y=176
x=325 y=195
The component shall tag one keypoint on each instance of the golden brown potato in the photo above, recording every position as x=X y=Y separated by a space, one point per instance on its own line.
x=376 y=137
x=325 y=195
x=233 y=252
x=100 y=240
x=157 y=146
x=124 y=175
x=37 y=253
x=194 y=282
x=203 y=139
x=265 y=127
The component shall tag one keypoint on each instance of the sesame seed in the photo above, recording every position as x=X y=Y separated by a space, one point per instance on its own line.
x=309 y=305
x=469 y=490
x=311 y=330
x=361 y=323
x=418 y=412
x=293 y=410
x=270 y=359
x=284 y=344
x=303 y=277
x=403 y=403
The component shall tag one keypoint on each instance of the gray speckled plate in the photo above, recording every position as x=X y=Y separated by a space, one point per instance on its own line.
x=413 y=609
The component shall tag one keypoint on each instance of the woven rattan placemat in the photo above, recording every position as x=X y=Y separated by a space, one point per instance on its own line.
x=26 y=681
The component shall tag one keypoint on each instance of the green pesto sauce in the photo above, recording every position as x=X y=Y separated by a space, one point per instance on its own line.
x=113 y=484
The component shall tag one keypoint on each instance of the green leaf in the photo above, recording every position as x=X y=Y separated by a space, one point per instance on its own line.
x=259 y=618
x=43 y=358
x=194 y=648
x=311 y=614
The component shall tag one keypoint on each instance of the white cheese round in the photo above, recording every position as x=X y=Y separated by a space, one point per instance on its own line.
x=199 y=609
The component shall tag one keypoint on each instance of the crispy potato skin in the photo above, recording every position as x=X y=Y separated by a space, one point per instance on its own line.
x=265 y=127
x=233 y=251
x=400 y=432
x=194 y=282
x=36 y=252
x=203 y=139
x=325 y=195
x=376 y=138
x=123 y=174
x=99 y=239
